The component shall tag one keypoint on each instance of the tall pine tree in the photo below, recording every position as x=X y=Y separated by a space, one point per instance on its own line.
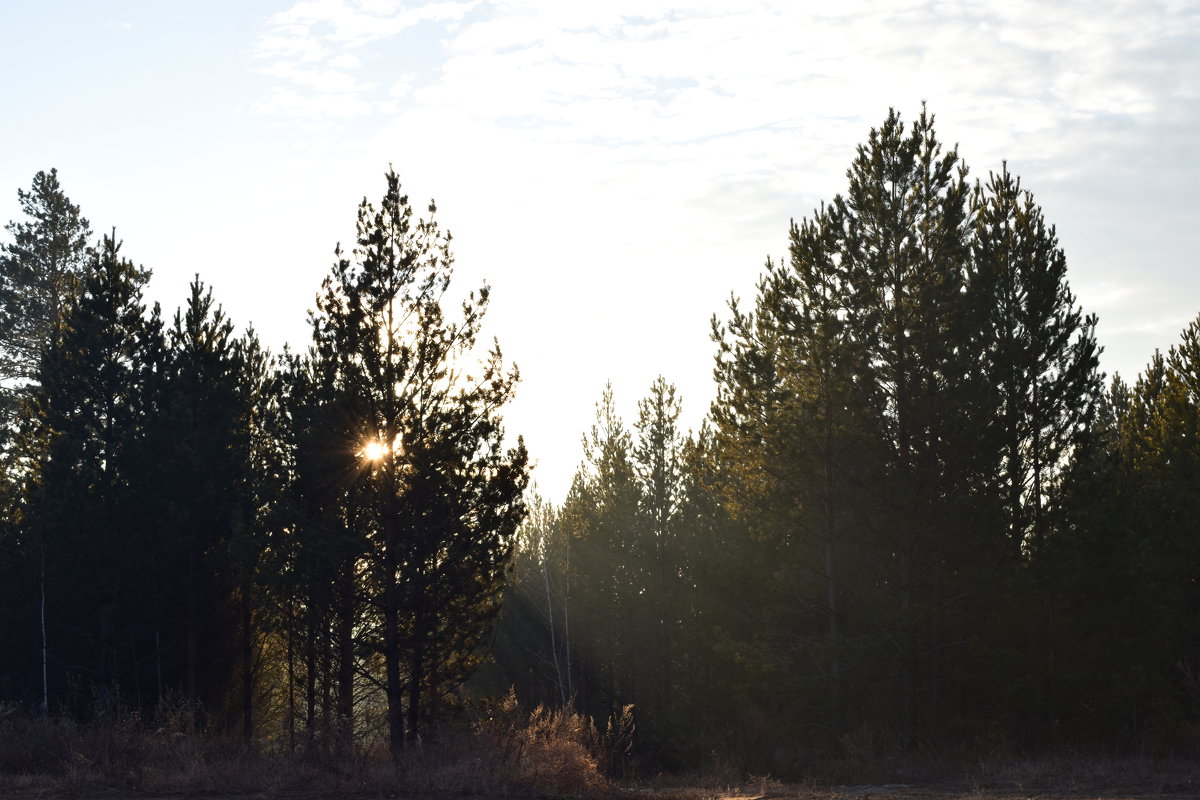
x=446 y=494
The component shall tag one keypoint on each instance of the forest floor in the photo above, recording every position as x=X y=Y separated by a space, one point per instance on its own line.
x=774 y=792
x=762 y=791
x=923 y=792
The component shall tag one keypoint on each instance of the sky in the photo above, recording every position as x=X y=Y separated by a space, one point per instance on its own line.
x=615 y=171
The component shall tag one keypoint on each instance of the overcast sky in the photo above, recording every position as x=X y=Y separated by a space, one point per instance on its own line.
x=614 y=170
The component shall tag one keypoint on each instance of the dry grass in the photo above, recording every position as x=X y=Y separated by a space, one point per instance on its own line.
x=1078 y=774
x=121 y=751
x=545 y=753
x=554 y=753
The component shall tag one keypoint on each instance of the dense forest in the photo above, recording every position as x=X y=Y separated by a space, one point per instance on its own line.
x=916 y=516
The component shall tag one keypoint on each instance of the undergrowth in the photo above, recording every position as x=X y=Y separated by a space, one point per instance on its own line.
x=515 y=752
x=544 y=752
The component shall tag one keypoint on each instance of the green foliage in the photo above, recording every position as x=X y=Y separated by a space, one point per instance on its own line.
x=870 y=538
x=432 y=517
x=1041 y=353
x=40 y=273
x=913 y=517
x=93 y=405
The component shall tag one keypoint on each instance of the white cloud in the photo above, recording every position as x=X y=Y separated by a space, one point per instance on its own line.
x=346 y=61
x=310 y=47
x=625 y=165
x=402 y=87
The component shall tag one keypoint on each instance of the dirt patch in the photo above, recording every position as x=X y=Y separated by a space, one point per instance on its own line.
x=927 y=792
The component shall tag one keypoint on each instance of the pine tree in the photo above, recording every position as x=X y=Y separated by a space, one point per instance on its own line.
x=785 y=415
x=533 y=634
x=199 y=476
x=1041 y=354
x=601 y=516
x=92 y=405
x=326 y=508
x=657 y=465
x=40 y=273
x=257 y=512
x=446 y=496
x=907 y=259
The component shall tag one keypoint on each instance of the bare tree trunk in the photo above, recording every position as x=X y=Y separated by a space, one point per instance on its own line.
x=416 y=680
x=158 y=665
x=391 y=544
x=831 y=580
x=908 y=648
x=291 y=678
x=247 y=665
x=395 y=688
x=345 y=667
x=567 y=619
x=558 y=676
x=310 y=680
x=108 y=612
x=45 y=649
x=191 y=635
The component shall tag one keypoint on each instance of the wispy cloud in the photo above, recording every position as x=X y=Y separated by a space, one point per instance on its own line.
x=607 y=157
x=671 y=72
x=312 y=48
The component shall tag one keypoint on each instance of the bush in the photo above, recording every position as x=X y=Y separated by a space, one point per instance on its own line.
x=549 y=750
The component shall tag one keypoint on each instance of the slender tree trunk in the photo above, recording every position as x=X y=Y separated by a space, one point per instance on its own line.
x=416 y=679
x=558 y=676
x=345 y=667
x=831 y=580
x=391 y=625
x=908 y=654
x=665 y=614
x=395 y=688
x=45 y=647
x=108 y=602
x=158 y=665
x=291 y=677
x=247 y=665
x=310 y=679
x=328 y=712
x=191 y=635
x=566 y=607
x=391 y=549
x=1036 y=425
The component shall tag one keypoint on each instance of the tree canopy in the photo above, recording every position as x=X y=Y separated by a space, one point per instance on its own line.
x=914 y=518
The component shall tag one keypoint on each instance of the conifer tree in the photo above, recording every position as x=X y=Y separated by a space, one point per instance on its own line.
x=1040 y=350
x=657 y=464
x=601 y=512
x=200 y=473
x=40 y=272
x=92 y=407
x=327 y=508
x=533 y=638
x=203 y=422
x=446 y=495
x=257 y=512
x=785 y=417
x=907 y=259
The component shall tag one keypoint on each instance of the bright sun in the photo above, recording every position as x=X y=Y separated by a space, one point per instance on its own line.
x=374 y=451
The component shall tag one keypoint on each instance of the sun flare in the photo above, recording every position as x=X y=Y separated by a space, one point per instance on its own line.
x=374 y=451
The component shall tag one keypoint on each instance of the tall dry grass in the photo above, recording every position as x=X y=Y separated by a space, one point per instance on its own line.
x=544 y=752
x=549 y=750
